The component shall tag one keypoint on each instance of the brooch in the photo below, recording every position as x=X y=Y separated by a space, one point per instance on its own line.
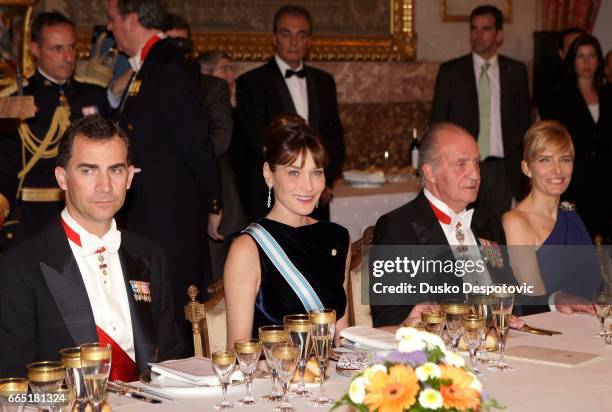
x=141 y=290
x=134 y=88
x=491 y=253
x=334 y=252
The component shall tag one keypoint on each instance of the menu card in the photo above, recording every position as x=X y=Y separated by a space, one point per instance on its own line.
x=549 y=356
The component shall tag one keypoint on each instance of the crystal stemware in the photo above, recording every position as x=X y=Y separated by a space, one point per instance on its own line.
x=473 y=329
x=298 y=327
x=434 y=321
x=601 y=303
x=63 y=400
x=480 y=304
x=322 y=330
x=247 y=352
x=71 y=357
x=454 y=311
x=13 y=394
x=285 y=357
x=269 y=335
x=223 y=363
x=501 y=308
x=45 y=378
x=96 y=364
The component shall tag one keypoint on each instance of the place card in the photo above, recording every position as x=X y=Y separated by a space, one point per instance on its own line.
x=549 y=356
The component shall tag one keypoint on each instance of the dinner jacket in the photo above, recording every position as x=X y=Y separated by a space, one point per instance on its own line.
x=456 y=100
x=44 y=306
x=261 y=95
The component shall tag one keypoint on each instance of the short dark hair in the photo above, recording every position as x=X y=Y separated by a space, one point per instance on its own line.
x=176 y=22
x=96 y=128
x=291 y=10
x=288 y=138
x=490 y=10
x=209 y=59
x=47 y=19
x=150 y=13
x=570 y=58
x=567 y=32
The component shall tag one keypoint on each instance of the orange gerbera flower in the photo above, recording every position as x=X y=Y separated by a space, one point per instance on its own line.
x=458 y=394
x=392 y=392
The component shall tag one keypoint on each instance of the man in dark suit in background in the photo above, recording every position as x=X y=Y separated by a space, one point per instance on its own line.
x=81 y=280
x=177 y=189
x=282 y=85
x=488 y=95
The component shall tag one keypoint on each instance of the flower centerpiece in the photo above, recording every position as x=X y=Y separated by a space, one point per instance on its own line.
x=421 y=375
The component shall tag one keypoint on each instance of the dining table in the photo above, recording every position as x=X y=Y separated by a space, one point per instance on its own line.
x=532 y=386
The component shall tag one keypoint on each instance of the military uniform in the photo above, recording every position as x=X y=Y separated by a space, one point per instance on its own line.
x=27 y=158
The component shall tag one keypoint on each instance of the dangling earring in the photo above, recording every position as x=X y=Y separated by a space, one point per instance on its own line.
x=269 y=203
x=317 y=205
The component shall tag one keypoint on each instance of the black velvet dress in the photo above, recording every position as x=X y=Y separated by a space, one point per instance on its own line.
x=318 y=251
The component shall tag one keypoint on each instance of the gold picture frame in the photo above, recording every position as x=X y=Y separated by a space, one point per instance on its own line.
x=459 y=10
x=398 y=45
x=15 y=38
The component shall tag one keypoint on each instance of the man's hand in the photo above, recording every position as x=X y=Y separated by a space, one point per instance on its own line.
x=415 y=313
x=214 y=222
x=516 y=323
x=568 y=304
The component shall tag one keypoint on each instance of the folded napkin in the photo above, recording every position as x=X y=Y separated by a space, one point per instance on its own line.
x=367 y=337
x=363 y=176
x=195 y=370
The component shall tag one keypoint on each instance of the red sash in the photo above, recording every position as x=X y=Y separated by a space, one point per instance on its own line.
x=123 y=368
x=147 y=47
x=442 y=217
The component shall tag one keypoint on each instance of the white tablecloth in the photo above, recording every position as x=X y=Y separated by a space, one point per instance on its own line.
x=531 y=387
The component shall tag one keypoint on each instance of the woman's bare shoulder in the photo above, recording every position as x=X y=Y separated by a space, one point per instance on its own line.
x=518 y=228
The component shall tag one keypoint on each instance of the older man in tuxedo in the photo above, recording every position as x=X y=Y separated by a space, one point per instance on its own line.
x=283 y=85
x=80 y=279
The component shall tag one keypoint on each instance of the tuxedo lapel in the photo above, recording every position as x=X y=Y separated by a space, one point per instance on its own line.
x=425 y=225
x=281 y=88
x=64 y=280
x=313 y=100
x=471 y=93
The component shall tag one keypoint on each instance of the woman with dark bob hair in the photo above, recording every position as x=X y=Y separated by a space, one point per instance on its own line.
x=257 y=292
x=584 y=106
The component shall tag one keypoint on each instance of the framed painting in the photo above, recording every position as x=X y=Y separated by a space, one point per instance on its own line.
x=460 y=10
x=14 y=40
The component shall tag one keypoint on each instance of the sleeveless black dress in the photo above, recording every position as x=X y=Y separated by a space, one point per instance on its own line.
x=318 y=251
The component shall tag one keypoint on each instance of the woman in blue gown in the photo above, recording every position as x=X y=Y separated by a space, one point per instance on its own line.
x=549 y=246
x=256 y=293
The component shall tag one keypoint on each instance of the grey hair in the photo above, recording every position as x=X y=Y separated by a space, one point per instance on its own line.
x=209 y=59
x=429 y=150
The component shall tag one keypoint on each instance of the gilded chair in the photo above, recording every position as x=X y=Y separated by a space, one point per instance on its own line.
x=359 y=314
x=207 y=319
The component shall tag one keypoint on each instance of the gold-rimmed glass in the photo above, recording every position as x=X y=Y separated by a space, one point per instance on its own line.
x=501 y=308
x=454 y=312
x=96 y=364
x=433 y=321
x=63 y=400
x=269 y=335
x=322 y=330
x=414 y=323
x=480 y=304
x=44 y=378
x=473 y=329
x=71 y=358
x=247 y=352
x=298 y=326
x=601 y=303
x=285 y=357
x=223 y=363
x=13 y=393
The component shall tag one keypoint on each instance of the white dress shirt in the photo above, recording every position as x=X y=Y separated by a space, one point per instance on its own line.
x=497 y=144
x=297 y=88
x=107 y=293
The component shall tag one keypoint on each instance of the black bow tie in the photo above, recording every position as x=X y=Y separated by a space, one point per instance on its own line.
x=299 y=73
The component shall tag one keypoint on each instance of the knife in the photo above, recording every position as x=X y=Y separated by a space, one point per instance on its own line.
x=539 y=331
x=134 y=395
x=127 y=386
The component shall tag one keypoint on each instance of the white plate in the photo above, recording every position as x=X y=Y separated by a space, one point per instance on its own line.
x=363 y=185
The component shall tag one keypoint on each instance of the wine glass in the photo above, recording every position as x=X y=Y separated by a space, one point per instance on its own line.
x=601 y=303
x=285 y=357
x=480 y=304
x=434 y=321
x=414 y=323
x=247 y=352
x=322 y=330
x=223 y=363
x=298 y=327
x=13 y=393
x=501 y=308
x=473 y=329
x=96 y=364
x=63 y=400
x=269 y=335
x=71 y=357
x=454 y=312
x=45 y=378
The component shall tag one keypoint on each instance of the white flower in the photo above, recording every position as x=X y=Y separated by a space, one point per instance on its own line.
x=410 y=344
x=475 y=384
x=431 y=399
x=357 y=391
x=404 y=332
x=432 y=340
x=426 y=371
x=368 y=372
x=453 y=359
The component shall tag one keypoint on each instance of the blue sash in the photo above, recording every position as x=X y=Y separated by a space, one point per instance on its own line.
x=279 y=258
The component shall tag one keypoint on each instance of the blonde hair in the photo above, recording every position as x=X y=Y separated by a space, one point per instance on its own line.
x=545 y=134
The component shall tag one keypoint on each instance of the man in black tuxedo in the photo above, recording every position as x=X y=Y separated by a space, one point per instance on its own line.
x=282 y=85
x=81 y=280
x=487 y=94
x=449 y=167
x=176 y=192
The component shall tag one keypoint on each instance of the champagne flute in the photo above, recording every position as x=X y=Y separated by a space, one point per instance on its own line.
x=96 y=364
x=480 y=304
x=501 y=309
x=247 y=352
x=269 y=335
x=298 y=327
x=322 y=330
x=473 y=329
x=434 y=321
x=454 y=311
x=223 y=363
x=71 y=357
x=13 y=393
x=45 y=378
x=601 y=303
x=285 y=357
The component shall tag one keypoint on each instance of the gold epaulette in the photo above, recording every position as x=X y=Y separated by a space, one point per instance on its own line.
x=11 y=89
x=567 y=206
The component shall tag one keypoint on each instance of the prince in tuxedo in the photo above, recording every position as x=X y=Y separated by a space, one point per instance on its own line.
x=449 y=166
x=81 y=280
x=283 y=85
